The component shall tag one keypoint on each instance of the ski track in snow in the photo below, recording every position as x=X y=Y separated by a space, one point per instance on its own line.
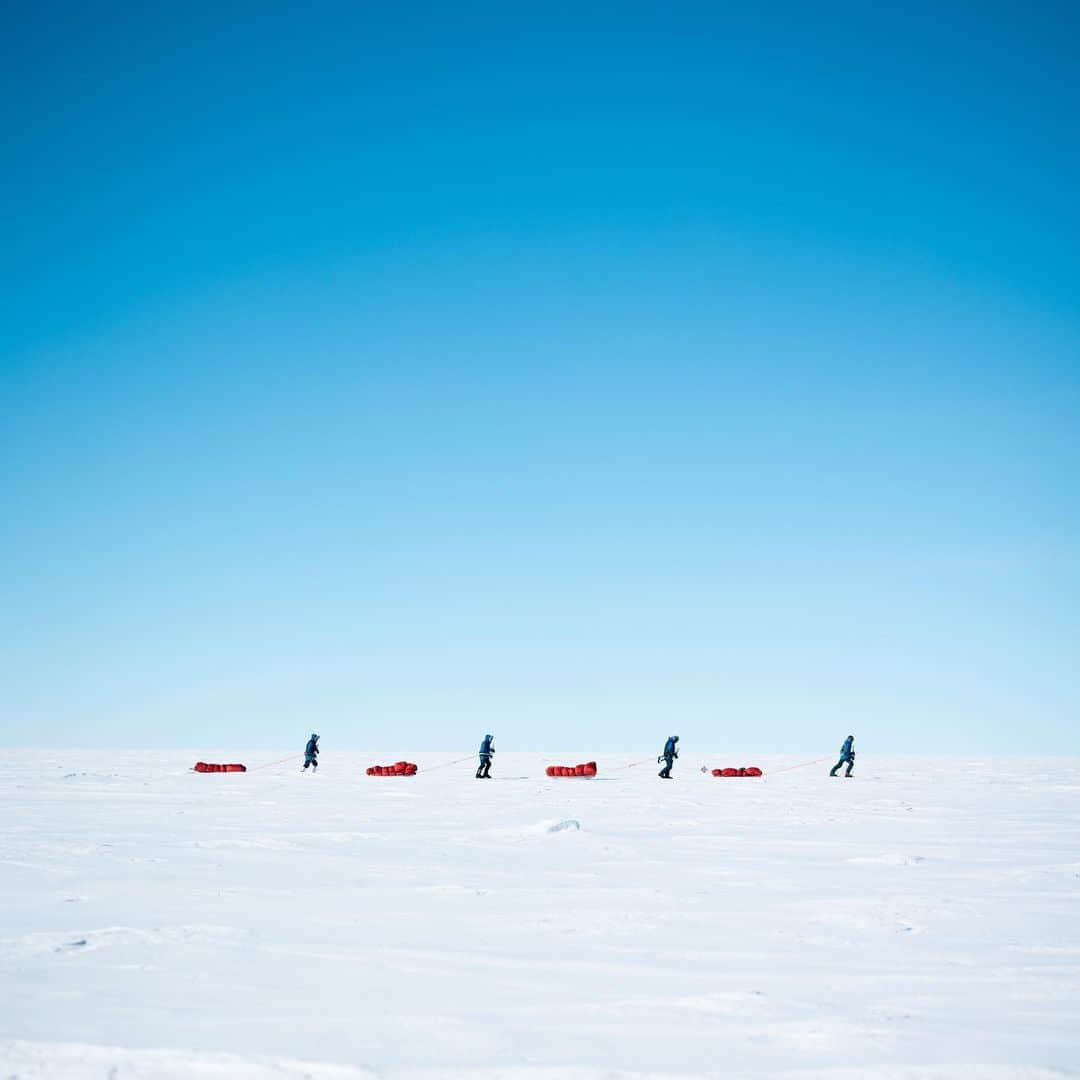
x=916 y=922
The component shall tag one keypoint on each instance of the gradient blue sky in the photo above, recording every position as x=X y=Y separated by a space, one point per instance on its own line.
x=578 y=373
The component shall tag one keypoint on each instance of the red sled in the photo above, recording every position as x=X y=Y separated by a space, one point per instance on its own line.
x=750 y=770
x=400 y=768
x=588 y=768
x=206 y=766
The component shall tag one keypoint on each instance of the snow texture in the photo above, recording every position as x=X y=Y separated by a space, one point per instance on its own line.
x=918 y=921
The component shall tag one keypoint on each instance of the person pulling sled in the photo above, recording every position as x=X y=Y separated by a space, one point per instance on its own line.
x=668 y=757
x=847 y=756
x=311 y=752
x=487 y=752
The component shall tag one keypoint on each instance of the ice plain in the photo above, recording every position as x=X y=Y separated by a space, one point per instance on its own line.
x=921 y=920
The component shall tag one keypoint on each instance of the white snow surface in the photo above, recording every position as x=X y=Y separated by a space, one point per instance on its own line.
x=920 y=920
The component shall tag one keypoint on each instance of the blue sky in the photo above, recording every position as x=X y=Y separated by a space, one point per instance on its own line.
x=578 y=373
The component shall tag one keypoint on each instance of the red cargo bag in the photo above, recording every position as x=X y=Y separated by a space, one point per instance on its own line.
x=585 y=769
x=399 y=768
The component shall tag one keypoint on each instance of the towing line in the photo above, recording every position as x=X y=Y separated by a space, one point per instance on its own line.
x=446 y=764
x=816 y=761
x=280 y=761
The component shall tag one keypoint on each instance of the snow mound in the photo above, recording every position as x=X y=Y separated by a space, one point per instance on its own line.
x=569 y=825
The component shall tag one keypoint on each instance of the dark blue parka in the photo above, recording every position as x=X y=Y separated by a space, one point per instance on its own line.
x=486 y=746
x=312 y=748
x=847 y=750
x=669 y=747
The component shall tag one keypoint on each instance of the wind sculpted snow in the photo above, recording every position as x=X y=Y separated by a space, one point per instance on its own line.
x=913 y=922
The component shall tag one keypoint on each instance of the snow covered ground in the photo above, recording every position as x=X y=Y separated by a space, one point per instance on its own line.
x=920 y=920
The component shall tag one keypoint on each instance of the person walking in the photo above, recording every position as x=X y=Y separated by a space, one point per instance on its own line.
x=487 y=752
x=847 y=756
x=311 y=752
x=668 y=757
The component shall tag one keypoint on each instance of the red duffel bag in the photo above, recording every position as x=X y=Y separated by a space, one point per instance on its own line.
x=586 y=769
x=399 y=768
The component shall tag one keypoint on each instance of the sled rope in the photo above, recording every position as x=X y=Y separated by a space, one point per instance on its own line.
x=291 y=757
x=816 y=761
x=446 y=764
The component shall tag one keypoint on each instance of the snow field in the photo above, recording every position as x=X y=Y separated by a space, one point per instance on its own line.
x=918 y=921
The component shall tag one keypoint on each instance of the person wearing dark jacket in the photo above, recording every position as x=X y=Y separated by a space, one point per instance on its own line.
x=487 y=752
x=311 y=752
x=847 y=756
x=668 y=756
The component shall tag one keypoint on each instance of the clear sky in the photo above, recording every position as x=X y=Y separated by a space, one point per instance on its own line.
x=579 y=373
